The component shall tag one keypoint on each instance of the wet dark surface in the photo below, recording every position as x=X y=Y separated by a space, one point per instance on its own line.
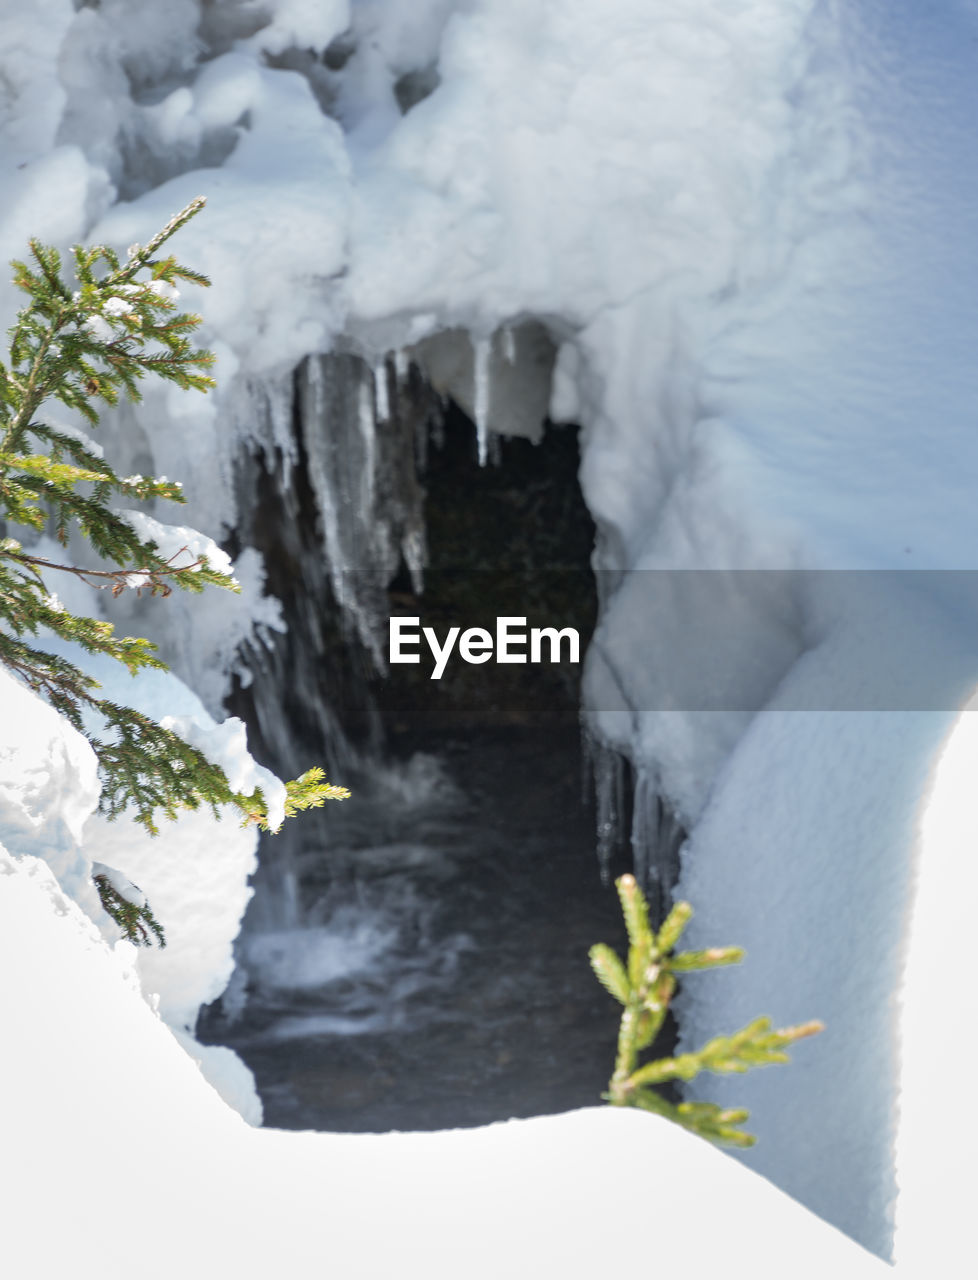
x=442 y=964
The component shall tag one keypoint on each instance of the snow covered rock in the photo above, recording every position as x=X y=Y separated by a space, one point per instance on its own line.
x=194 y=874
x=48 y=787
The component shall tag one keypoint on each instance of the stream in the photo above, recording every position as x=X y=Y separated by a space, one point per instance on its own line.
x=438 y=976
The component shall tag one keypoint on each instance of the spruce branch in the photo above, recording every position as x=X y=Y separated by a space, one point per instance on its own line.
x=644 y=986
x=87 y=343
x=117 y=580
x=311 y=791
x=127 y=906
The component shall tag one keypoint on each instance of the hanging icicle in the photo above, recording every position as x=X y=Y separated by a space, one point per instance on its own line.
x=271 y=405
x=364 y=477
x=483 y=353
x=414 y=550
x=631 y=813
x=607 y=769
x=382 y=404
x=657 y=837
x=368 y=418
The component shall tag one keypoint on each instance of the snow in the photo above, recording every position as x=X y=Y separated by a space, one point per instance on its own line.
x=113 y=1129
x=226 y=745
x=749 y=229
x=194 y=875
x=122 y=885
x=101 y=1072
x=116 y=307
x=163 y=289
x=99 y=328
x=200 y=635
x=935 y=1169
x=76 y=433
x=48 y=787
x=303 y=24
x=277 y=299
x=176 y=544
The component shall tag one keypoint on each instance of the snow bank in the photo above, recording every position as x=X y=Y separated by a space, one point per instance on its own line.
x=935 y=1169
x=194 y=874
x=803 y=856
x=48 y=787
x=110 y=1134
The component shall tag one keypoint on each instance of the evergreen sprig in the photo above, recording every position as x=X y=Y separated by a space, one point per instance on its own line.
x=87 y=344
x=644 y=986
x=127 y=906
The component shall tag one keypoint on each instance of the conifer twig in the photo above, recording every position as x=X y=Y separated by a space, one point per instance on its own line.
x=118 y=578
x=644 y=986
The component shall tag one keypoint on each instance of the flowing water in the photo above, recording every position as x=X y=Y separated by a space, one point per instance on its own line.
x=438 y=976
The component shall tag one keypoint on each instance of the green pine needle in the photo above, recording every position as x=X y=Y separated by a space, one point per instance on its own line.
x=645 y=986
x=88 y=342
x=137 y=922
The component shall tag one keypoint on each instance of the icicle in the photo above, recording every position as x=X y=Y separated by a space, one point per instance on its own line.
x=382 y=405
x=483 y=351
x=402 y=365
x=349 y=464
x=329 y=459
x=509 y=345
x=657 y=837
x=645 y=829
x=609 y=797
x=588 y=747
x=367 y=420
x=278 y=408
x=263 y=407
x=413 y=550
x=670 y=838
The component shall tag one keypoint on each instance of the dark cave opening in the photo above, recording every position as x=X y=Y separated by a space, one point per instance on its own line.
x=436 y=973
